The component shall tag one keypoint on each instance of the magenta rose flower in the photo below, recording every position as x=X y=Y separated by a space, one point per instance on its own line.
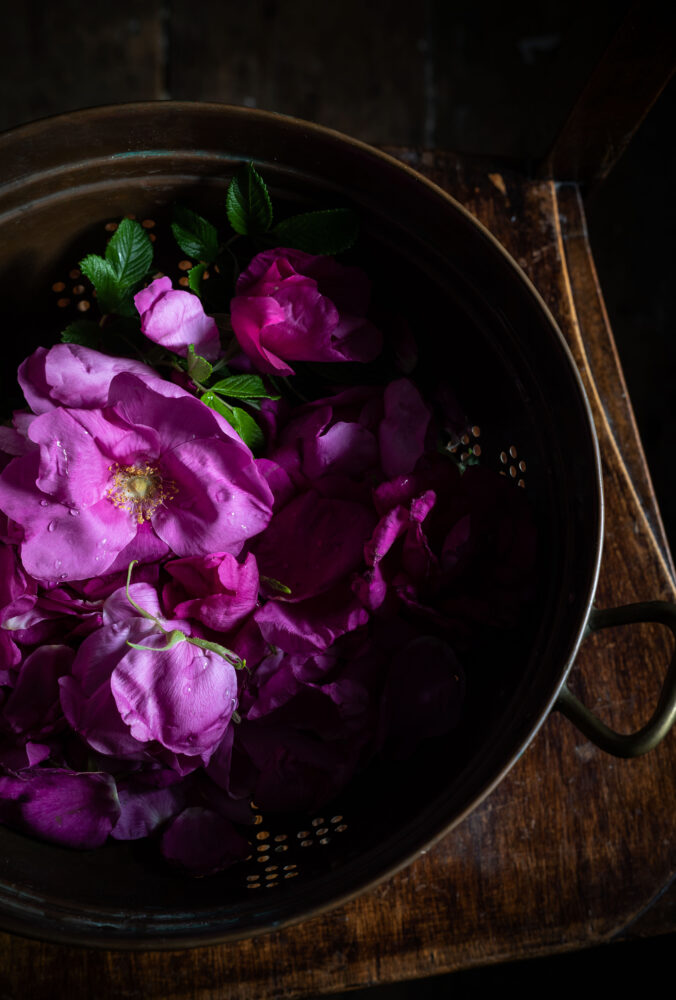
x=176 y=319
x=141 y=477
x=291 y=306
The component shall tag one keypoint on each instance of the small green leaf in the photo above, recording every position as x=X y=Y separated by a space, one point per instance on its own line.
x=199 y=368
x=196 y=237
x=243 y=387
x=247 y=203
x=273 y=584
x=85 y=332
x=246 y=426
x=195 y=278
x=130 y=253
x=102 y=276
x=329 y=231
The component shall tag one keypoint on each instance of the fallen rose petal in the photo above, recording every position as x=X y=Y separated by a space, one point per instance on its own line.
x=203 y=842
x=403 y=429
x=145 y=807
x=332 y=532
x=63 y=807
x=33 y=706
x=312 y=625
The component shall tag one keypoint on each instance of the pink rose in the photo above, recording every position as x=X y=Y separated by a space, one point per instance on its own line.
x=176 y=319
x=291 y=306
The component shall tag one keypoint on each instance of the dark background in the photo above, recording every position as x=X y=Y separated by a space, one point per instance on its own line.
x=488 y=77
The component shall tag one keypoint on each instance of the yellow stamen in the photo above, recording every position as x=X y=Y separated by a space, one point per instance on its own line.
x=139 y=489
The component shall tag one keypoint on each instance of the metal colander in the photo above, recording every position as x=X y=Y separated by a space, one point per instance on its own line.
x=483 y=325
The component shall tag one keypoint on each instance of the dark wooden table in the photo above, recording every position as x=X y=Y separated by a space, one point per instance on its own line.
x=573 y=848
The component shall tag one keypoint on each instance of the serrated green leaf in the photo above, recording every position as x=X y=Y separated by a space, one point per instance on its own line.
x=247 y=428
x=198 y=367
x=195 y=236
x=102 y=276
x=243 y=387
x=195 y=275
x=329 y=231
x=247 y=203
x=130 y=253
x=239 y=419
x=85 y=332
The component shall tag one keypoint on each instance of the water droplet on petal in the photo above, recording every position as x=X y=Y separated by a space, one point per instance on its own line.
x=51 y=526
x=63 y=576
x=187 y=690
x=57 y=563
x=73 y=512
x=44 y=503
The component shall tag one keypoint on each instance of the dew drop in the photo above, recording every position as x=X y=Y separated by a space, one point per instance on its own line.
x=63 y=576
x=51 y=526
x=103 y=541
x=44 y=503
x=187 y=690
x=57 y=563
x=73 y=512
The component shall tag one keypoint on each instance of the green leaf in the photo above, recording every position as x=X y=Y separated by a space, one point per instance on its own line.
x=248 y=203
x=130 y=253
x=246 y=426
x=102 y=276
x=85 y=332
x=196 y=237
x=243 y=387
x=195 y=278
x=329 y=231
x=273 y=584
x=199 y=368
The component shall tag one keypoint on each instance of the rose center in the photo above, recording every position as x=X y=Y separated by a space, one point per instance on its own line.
x=140 y=489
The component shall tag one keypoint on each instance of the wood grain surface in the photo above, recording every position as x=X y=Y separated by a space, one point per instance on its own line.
x=573 y=847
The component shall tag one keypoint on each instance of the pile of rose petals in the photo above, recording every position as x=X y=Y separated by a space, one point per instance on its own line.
x=349 y=565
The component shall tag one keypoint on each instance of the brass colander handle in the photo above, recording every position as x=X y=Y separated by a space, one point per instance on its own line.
x=664 y=716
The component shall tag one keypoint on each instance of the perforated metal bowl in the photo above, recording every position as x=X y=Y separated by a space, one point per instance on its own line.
x=64 y=178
